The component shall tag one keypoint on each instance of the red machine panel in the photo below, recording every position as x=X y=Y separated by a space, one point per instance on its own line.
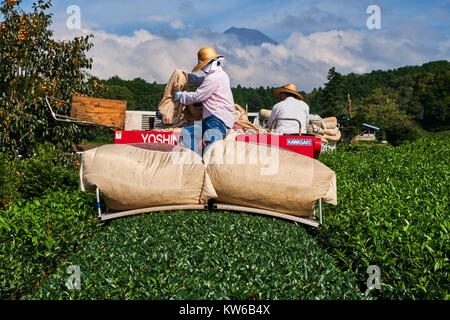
x=305 y=145
x=125 y=137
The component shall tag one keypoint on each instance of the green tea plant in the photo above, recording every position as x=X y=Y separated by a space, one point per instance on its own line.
x=8 y=181
x=202 y=255
x=35 y=236
x=49 y=170
x=392 y=212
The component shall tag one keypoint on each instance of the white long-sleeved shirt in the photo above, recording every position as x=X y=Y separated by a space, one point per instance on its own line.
x=215 y=93
x=289 y=108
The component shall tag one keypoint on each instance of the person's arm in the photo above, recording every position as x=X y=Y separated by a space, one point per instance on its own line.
x=195 y=80
x=273 y=116
x=206 y=89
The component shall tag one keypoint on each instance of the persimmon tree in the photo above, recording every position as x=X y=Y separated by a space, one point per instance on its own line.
x=34 y=65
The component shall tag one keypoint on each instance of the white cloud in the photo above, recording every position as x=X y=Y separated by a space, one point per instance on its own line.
x=301 y=59
x=176 y=24
x=171 y=19
x=157 y=18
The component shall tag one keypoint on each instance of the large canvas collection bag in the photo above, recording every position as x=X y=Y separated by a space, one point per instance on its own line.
x=239 y=173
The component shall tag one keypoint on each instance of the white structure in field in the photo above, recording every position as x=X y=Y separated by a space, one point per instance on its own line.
x=367 y=134
x=139 y=120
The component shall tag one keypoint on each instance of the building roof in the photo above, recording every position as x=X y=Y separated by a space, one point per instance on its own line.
x=369 y=126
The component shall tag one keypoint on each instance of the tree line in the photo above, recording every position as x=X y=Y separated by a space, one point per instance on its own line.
x=403 y=102
x=142 y=95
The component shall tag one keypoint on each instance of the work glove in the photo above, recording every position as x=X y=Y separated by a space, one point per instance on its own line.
x=178 y=95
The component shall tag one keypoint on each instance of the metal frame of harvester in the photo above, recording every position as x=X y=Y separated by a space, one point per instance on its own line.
x=105 y=216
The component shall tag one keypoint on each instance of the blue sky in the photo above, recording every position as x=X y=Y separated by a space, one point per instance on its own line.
x=276 y=18
x=150 y=38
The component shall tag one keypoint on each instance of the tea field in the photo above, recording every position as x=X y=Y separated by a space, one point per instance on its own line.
x=392 y=212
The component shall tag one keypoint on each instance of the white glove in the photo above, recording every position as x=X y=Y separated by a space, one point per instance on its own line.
x=178 y=95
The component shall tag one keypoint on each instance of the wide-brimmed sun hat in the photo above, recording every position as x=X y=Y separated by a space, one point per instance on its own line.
x=289 y=88
x=205 y=55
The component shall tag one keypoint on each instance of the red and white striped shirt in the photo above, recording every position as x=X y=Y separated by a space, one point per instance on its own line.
x=215 y=93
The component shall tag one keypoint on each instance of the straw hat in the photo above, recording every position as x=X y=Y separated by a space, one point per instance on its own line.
x=289 y=88
x=205 y=55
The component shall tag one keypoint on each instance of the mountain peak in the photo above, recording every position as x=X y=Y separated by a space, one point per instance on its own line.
x=251 y=37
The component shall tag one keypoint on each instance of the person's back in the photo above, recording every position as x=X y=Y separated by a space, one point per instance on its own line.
x=290 y=107
x=214 y=94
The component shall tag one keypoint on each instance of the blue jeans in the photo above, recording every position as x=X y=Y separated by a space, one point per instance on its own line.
x=157 y=114
x=212 y=129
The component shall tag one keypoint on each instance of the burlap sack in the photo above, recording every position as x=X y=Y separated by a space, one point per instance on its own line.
x=330 y=122
x=169 y=129
x=326 y=129
x=314 y=129
x=331 y=132
x=334 y=138
x=317 y=120
x=131 y=177
x=192 y=113
x=268 y=178
x=241 y=122
x=264 y=114
x=240 y=113
x=173 y=111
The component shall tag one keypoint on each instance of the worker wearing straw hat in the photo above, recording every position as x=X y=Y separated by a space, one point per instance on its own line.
x=291 y=106
x=214 y=93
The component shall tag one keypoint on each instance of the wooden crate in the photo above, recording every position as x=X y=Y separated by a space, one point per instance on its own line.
x=105 y=112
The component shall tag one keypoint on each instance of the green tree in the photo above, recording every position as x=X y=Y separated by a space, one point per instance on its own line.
x=118 y=92
x=423 y=92
x=333 y=96
x=32 y=66
x=433 y=93
x=381 y=110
